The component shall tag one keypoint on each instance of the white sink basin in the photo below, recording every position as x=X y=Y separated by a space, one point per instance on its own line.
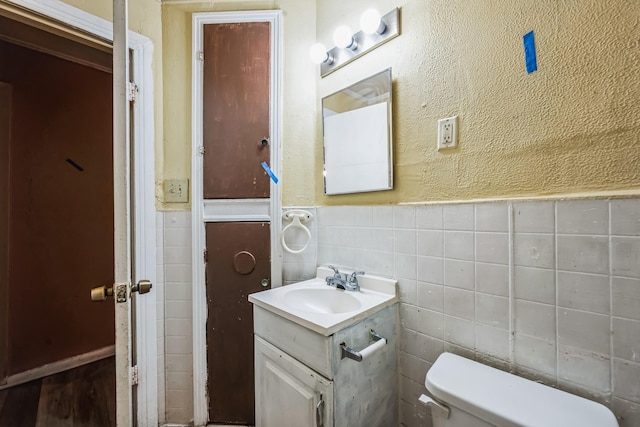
x=325 y=309
x=327 y=300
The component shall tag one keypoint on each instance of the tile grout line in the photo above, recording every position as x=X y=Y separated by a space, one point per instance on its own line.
x=555 y=279
x=444 y=276
x=164 y=311
x=512 y=332
x=417 y=232
x=475 y=285
x=610 y=250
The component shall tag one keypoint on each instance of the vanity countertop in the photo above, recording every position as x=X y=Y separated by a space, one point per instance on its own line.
x=324 y=309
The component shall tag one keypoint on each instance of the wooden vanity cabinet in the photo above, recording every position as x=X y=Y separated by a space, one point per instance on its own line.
x=302 y=380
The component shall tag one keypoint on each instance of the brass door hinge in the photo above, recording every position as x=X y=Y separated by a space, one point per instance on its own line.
x=133 y=375
x=132 y=91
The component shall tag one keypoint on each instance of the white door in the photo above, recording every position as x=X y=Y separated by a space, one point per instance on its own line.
x=124 y=290
x=122 y=216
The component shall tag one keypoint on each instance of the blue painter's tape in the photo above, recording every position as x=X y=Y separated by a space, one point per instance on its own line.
x=530 y=52
x=269 y=172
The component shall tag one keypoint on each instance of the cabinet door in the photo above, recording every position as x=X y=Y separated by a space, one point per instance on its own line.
x=289 y=394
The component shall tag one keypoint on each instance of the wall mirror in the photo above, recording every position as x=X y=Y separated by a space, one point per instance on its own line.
x=357 y=142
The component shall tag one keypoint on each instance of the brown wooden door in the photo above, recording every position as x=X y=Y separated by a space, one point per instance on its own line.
x=238 y=260
x=60 y=208
x=236 y=138
x=236 y=110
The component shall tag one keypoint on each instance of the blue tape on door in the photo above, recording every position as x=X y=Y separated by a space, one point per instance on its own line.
x=530 y=52
x=269 y=172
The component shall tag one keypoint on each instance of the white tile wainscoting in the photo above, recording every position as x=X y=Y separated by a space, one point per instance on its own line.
x=177 y=348
x=549 y=290
x=158 y=289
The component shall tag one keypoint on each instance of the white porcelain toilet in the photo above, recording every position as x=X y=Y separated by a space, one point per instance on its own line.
x=469 y=394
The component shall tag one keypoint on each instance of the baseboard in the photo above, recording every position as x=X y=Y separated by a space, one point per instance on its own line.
x=190 y=425
x=59 y=366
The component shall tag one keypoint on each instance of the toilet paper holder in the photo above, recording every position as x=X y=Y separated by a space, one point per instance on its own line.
x=349 y=353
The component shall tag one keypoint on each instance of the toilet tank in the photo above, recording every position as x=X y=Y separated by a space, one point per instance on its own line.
x=503 y=399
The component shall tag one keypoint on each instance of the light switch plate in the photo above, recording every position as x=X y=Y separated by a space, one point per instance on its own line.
x=176 y=190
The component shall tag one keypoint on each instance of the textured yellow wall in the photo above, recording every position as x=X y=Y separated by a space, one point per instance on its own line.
x=298 y=92
x=144 y=18
x=101 y=8
x=572 y=126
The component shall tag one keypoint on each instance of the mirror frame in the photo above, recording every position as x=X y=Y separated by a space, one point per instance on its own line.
x=373 y=90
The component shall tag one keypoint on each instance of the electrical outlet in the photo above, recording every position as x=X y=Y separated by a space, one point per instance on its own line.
x=176 y=190
x=448 y=133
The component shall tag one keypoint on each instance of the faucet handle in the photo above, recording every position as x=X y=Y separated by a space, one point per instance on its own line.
x=336 y=272
x=353 y=278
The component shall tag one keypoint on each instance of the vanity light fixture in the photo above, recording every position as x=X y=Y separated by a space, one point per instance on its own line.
x=343 y=38
x=372 y=23
x=319 y=55
x=375 y=31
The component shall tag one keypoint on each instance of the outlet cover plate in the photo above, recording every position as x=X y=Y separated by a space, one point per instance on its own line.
x=448 y=133
x=176 y=190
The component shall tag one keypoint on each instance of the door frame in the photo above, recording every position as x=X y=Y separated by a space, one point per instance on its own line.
x=266 y=210
x=5 y=135
x=144 y=213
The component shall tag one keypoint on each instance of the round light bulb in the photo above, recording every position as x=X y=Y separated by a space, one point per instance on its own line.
x=371 y=22
x=343 y=37
x=318 y=53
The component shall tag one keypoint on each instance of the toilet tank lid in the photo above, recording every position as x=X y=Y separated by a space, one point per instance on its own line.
x=504 y=399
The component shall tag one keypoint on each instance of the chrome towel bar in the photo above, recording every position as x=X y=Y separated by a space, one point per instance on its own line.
x=349 y=353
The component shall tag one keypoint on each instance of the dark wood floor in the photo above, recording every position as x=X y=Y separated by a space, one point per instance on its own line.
x=81 y=397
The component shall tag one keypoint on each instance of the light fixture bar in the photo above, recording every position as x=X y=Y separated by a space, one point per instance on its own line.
x=365 y=43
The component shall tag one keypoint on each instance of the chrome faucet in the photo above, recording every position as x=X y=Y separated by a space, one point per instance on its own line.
x=335 y=280
x=352 y=283
x=348 y=283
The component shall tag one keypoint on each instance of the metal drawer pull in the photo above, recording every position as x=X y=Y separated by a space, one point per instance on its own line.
x=320 y=412
x=359 y=356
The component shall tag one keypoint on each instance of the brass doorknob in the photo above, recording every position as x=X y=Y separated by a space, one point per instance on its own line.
x=101 y=293
x=142 y=287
